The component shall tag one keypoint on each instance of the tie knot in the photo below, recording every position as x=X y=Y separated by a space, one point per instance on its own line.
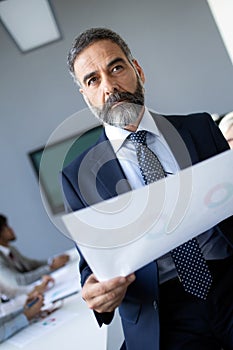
x=138 y=137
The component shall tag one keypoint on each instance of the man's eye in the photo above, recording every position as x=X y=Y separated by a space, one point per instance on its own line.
x=92 y=81
x=117 y=68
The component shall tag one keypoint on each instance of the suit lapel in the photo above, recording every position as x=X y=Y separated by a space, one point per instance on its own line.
x=16 y=260
x=106 y=169
x=179 y=140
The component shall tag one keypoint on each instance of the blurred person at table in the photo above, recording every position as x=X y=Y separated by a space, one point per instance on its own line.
x=226 y=126
x=17 y=269
x=8 y=292
x=16 y=321
x=21 y=310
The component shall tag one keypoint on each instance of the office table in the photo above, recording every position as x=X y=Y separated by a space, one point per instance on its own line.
x=80 y=331
x=73 y=326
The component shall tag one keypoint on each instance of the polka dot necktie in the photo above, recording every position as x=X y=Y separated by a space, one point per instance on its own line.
x=190 y=264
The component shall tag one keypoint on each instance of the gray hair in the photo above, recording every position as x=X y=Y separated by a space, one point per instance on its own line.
x=91 y=36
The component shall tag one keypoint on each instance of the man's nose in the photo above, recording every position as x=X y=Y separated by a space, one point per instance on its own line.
x=109 y=87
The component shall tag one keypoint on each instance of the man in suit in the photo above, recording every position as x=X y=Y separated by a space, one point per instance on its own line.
x=17 y=269
x=156 y=310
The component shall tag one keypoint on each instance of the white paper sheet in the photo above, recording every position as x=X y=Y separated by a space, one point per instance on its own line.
x=67 y=283
x=120 y=235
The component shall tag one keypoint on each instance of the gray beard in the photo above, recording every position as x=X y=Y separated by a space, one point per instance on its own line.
x=124 y=113
x=121 y=115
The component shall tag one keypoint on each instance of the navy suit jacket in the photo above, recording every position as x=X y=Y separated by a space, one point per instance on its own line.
x=96 y=175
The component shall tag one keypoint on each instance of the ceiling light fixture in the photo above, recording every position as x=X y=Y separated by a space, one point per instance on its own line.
x=31 y=23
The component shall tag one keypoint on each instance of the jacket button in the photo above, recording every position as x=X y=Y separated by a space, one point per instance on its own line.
x=155 y=305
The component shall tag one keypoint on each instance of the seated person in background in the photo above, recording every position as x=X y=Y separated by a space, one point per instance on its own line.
x=226 y=126
x=9 y=292
x=17 y=269
x=14 y=322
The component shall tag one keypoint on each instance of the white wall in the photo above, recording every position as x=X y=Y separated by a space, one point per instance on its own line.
x=187 y=69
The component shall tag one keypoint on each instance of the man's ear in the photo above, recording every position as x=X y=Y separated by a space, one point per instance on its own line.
x=81 y=91
x=139 y=70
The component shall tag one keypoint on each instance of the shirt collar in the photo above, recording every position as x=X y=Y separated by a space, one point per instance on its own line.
x=5 y=250
x=117 y=136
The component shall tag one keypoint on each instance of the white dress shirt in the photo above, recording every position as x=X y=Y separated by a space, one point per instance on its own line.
x=5 y=250
x=125 y=150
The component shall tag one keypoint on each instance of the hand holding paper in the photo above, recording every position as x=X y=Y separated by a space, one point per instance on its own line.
x=105 y=296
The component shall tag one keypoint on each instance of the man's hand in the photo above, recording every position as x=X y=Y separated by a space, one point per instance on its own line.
x=105 y=296
x=33 y=305
x=44 y=285
x=59 y=261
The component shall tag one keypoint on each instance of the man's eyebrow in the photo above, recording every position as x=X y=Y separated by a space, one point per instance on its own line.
x=88 y=76
x=114 y=61
x=110 y=64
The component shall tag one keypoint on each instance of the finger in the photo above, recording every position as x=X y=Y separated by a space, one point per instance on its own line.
x=92 y=288
x=107 y=300
x=107 y=303
x=112 y=284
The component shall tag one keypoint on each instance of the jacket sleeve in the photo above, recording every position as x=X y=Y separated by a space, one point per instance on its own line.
x=25 y=278
x=85 y=272
x=28 y=263
x=32 y=269
x=14 y=278
x=11 y=324
x=72 y=202
x=13 y=291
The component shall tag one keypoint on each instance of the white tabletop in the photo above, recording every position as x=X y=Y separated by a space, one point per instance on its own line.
x=73 y=326
x=81 y=331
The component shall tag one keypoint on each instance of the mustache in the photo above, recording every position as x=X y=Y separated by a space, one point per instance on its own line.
x=136 y=98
